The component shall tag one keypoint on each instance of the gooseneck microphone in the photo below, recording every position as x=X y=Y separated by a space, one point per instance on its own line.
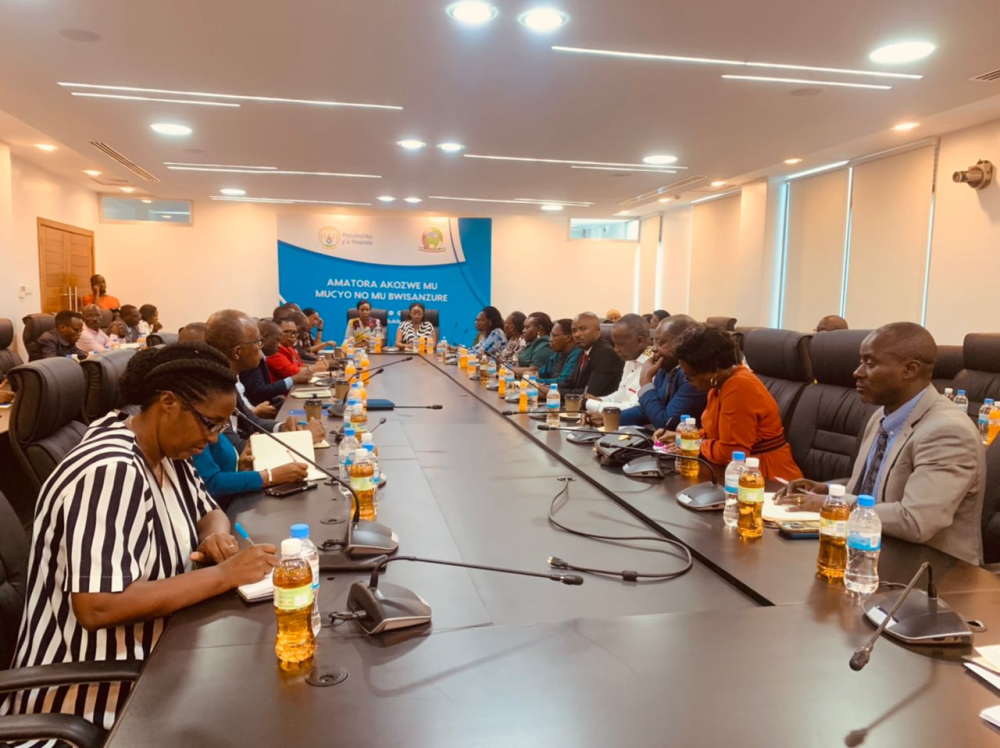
x=861 y=656
x=364 y=538
x=337 y=409
x=391 y=607
x=586 y=430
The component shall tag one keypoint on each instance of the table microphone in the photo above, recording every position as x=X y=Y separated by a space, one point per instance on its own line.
x=391 y=607
x=364 y=538
x=585 y=430
x=337 y=409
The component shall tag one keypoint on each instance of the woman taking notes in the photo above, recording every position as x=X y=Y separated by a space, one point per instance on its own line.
x=416 y=327
x=741 y=415
x=363 y=329
x=120 y=524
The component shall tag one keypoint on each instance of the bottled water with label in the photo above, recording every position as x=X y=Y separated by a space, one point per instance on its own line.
x=962 y=402
x=864 y=542
x=833 y=517
x=984 y=420
x=552 y=403
x=310 y=554
x=735 y=468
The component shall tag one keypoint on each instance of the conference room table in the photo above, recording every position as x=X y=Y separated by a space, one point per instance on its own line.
x=748 y=646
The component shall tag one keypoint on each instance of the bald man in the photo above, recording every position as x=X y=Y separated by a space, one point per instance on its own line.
x=600 y=368
x=830 y=323
x=192 y=333
x=921 y=458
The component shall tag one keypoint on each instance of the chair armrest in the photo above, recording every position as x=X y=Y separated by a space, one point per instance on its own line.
x=69 y=674
x=74 y=730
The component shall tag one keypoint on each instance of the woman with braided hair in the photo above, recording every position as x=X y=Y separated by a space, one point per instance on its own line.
x=120 y=525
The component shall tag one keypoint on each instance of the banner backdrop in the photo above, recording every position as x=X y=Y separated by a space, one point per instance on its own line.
x=331 y=262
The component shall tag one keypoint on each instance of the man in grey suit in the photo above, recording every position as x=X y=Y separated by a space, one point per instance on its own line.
x=921 y=457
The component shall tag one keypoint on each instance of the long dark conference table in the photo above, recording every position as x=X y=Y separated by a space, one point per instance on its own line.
x=749 y=646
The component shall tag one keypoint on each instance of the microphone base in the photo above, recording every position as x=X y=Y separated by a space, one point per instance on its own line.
x=644 y=467
x=920 y=620
x=370 y=539
x=389 y=607
x=583 y=437
x=336 y=410
x=703 y=497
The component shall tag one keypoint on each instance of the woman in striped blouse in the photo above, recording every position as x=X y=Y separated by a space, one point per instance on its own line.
x=120 y=524
x=415 y=327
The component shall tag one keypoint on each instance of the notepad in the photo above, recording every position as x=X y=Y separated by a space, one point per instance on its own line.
x=269 y=454
x=772 y=512
x=307 y=393
x=258 y=591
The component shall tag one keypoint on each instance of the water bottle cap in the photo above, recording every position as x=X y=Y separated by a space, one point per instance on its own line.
x=961 y=392
x=369 y=447
x=753 y=462
x=300 y=531
x=866 y=501
x=291 y=547
x=684 y=419
x=555 y=388
x=349 y=431
x=739 y=456
x=837 y=490
x=988 y=401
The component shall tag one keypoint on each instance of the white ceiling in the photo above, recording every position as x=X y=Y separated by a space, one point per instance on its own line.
x=499 y=90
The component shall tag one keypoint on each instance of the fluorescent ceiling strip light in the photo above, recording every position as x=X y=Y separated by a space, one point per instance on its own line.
x=508 y=202
x=817 y=170
x=149 y=98
x=743 y=63
x=715 y=197
x=650 y=169
x=221 y=166
x=552 y=202
x=276 y=171
x=558 y=161
x=805 y=81
x=280 y=200
x=240 y=97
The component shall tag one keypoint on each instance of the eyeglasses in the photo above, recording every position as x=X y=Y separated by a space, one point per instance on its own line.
x=211 y=426
x=258 y=342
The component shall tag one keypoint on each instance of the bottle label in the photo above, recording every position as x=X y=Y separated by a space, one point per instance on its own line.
x=867 y=542
x=361 y=483
x=751 y=495
x=834 y=528
x=553 y=406
x=983 y=420
x=732 y=492
x=293 y=599
x=691 y=445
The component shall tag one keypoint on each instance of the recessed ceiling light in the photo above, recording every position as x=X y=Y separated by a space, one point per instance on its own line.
x=472 y=12
x=840 y=84
x=412 y=200
x=283 y=200
x=221 y=166
x=647 y=169
x=623 y=213
x=45 y=147
x=147 y=201
x=743 y=63
x=518 y=201
x=129 y=190
x=238 y=97
x=233 y=191
x=894 y=54
x=719 y=183
x=543 y=20
x=386 y=199
x=659 y=160
x=906 y=126
x=551 y=208
x=411 y=144
x=793 y=161
x=92 y=173
x=666 y=199
x=168 y=128
x=451 y=147
x=124 y=97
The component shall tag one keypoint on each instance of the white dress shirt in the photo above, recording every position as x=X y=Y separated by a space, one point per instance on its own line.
x=627 y=394
x=92 y=340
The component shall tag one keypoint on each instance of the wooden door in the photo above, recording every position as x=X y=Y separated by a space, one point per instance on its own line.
x=65 y=264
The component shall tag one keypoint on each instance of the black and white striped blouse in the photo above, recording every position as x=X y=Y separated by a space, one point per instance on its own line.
x=410 y=335
x=102 y=522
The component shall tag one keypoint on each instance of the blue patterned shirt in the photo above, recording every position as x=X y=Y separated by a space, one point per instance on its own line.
x=492 y=344
x=892 y=424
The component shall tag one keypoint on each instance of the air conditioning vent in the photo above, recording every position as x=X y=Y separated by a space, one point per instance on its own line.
x=992 y=75
x=669 y=189
x=110 y=152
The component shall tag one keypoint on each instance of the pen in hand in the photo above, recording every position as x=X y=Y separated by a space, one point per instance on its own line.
x=243 y=533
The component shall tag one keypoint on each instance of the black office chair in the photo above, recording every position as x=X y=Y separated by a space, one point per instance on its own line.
x=726 y=323
x=103 y=373
x=44 y=423
x=950 y=361
x=36 y=325
x=22 y=727
x=606 y=328
x=431 y=315
x=991 y=506
x=161 y=338
x=382 y=315
x=981 y=376
x=8 y=356
x=780 y=359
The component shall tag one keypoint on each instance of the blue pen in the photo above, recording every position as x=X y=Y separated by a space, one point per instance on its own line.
x=243 y=533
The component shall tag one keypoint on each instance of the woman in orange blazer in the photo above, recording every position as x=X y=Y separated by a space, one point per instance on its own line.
x=741 y=415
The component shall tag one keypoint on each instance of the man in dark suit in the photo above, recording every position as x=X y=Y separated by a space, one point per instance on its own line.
x=62 y=340
x=600 y=367
x=258 y=383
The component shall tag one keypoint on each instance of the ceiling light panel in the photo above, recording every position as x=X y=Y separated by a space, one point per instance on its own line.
x=123 y=97
x=451 y=147
x=517 y=201
x=171 y=128
x=227 y=198
x=744 y=63
x=793 y=161
x=557 y=161
x=552 y=208
x=902 y=52
x=472 y=12
x=233 y=97
x=543 y=20
x=221 y=166
x=386 y=199
x=808 y=82
x=233 y=192
x=412 y=200
x=906 y=126
x=45 y=147
x=411 y=144
x=263 y=172
x=648 y=170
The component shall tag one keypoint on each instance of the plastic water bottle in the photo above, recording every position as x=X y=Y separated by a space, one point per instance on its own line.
x=364 y=483
x=293 y=599
x=369 y=446
x=677 y=443
x=552 y=402
x=310 y=554
x=984 y=420
x=864 y=542
x=491 y=375
x=358 y=418
x=750 y=504
x=348 y=446
x=962 y=402
x=532 y=395
x=511 y=393
x=690 y=449
x=949 y=393
x=733 y=472
x=832 y=557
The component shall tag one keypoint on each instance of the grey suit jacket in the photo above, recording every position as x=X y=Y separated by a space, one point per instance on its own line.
x=932 y=490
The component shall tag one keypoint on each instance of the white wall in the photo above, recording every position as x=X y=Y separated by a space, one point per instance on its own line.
x=715 y=237
x=8 y=278
x=965 y=251
x=675 y=267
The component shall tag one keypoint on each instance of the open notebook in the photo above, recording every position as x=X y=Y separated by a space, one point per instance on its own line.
x=257 y=591
x=269 y=454
x=772 y=512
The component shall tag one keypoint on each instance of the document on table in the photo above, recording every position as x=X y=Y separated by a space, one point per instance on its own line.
x=257 y=591
x=304 y=393
x=269 y=454
x=772 y=512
